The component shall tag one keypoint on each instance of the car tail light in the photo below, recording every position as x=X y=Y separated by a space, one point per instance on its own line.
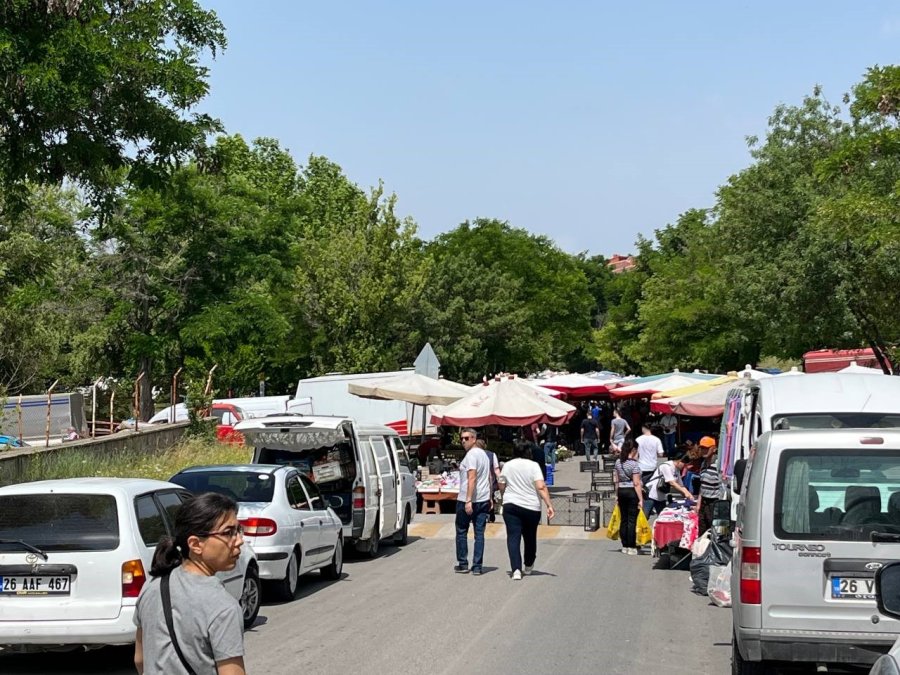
x=259 y=527
x=133 y=578
x=751 y=583
x=359 y=497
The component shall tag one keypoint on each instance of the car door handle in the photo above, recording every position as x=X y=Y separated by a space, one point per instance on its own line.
x=301 y=524
x=320 y=522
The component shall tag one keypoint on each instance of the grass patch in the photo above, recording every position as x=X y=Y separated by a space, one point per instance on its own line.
x=77 y=463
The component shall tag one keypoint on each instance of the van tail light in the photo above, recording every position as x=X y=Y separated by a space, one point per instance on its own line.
x=133 y=578
x=751 y=583
x=259 y=527
x=359 y=497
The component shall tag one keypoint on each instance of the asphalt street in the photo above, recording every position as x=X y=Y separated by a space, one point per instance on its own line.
x=586 y=609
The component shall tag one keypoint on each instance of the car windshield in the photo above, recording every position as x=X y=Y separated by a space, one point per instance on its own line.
x=837 y=421
x=60 y=522
x=837 y=495
x=241 y=486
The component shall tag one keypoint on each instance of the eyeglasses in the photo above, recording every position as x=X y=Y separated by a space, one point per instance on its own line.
x=230 y=533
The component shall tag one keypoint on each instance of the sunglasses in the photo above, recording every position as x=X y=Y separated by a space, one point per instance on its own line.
x=468 y=438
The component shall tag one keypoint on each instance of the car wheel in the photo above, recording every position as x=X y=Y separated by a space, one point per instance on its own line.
x=250 y=597
x=741 y=667
x=332 y=571
x=286 y=589
x=374 y=540
x=402 y=536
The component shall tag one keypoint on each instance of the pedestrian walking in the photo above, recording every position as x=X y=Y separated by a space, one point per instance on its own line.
x=590 y=434
x=618 y=429
x=473 y=503
x=549 y=435
x=629 y=493
x=186 y=621
x=650 y=449
x=523 y=489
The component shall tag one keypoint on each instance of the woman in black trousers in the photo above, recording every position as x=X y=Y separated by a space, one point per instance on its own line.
x=630 y=494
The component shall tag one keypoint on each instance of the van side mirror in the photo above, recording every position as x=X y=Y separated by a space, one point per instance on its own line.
x=887 y=589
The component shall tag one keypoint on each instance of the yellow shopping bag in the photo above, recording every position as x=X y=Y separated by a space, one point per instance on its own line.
x=644 y=534
x=615 y=522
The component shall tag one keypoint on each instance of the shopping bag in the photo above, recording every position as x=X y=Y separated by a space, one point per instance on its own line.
x=719 y=589
x=615 y=522
x=644 y=534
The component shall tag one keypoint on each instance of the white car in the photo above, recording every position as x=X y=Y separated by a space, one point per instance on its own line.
x=75 y=553
x=291 y=526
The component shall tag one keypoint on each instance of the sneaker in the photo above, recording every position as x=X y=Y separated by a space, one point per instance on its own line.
x=517 y=576
x=632 y=551
x=461 y=569
x=528 y=569
x=476 y=571
x=624 y=550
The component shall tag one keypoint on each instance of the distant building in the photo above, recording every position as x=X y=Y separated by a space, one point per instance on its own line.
x=621 y=263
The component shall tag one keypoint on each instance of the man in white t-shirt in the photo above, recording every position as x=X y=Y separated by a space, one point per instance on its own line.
x=669 y=424
x=671 y=478
x=473 y=504
x=649 y=450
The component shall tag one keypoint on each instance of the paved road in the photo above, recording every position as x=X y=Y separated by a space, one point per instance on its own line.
x=587 y=609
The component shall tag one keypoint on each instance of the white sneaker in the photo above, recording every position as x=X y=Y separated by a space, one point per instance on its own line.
x=624 y=550
x=632 y=551
x=528 y=569
x=517 y=576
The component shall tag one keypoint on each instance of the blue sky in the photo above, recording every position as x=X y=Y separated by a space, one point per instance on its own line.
x=588 y=122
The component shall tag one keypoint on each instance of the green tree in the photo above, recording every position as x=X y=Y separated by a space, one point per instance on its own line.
x=92 y=86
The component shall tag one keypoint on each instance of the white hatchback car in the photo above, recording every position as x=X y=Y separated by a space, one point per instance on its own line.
x=75 y=553
x=291 y=526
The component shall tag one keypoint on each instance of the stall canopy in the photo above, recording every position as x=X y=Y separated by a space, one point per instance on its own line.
x=645 y=387
x=753 y=374
x=706 y=402
x=861 y=370
x=576 y=385
x=412 y=388
x=507 y=401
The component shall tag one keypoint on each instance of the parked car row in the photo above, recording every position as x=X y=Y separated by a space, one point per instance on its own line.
x=74 y=554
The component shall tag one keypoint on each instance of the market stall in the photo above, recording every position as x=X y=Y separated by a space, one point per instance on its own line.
x=674 y=531
x=436 y=489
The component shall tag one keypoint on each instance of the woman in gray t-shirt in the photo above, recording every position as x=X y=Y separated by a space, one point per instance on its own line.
x=207 y=620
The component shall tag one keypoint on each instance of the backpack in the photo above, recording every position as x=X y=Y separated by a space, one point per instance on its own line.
x=662 y=485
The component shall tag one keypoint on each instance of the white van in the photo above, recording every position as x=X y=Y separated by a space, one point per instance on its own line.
x=363 y=470
x=820 y=514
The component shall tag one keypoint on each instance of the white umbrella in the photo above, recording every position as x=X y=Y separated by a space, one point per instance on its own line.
x=412 y=388
x=861 y=370
x=793 y=371
x=753 y=374
x=507 y=401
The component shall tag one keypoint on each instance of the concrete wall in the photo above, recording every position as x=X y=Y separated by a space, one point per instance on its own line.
x=149 y=440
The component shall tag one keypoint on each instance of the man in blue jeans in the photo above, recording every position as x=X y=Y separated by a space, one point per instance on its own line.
x=473 y=503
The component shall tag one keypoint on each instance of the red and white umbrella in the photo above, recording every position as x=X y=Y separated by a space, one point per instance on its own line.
x=507 y=401
x=575 y=385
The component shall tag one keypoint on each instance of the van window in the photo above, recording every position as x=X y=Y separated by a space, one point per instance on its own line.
x=402 y=457
x=60 y=522
x=837 y=495
x=837 y=421
x=381 y=455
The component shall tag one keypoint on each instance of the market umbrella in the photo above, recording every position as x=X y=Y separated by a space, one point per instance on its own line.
x=695 y=388
x=753 y=374
x=576 y=385
x=861 y=370
x=793 y=371
x=505 y=400
x=709 y=402
x=668 y=382
x=412 y=388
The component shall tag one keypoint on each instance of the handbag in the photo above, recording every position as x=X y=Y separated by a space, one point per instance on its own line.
x=170 y=624
x=615 y=523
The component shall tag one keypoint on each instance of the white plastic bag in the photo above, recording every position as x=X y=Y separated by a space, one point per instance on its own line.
x=719 y=590
x=700 y=544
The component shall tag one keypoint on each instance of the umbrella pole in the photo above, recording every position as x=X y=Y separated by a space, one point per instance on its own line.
x=412 y=418
x=424 y=409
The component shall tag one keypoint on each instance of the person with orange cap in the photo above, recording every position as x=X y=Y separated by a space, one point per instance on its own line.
x=710 y=485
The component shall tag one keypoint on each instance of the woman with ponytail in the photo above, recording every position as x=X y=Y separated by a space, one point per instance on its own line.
x=187 y=622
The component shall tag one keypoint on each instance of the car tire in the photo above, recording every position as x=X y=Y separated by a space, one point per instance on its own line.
x=402 y=536
x=741 y=667
x=251 y=597
x=374 y=540
x=286 y=589
x=332 y=571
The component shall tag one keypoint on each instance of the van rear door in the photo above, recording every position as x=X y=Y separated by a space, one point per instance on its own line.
x=388 y=477
x=819 y=560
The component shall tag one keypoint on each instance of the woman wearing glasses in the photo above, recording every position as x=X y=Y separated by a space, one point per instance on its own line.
x=187 y=622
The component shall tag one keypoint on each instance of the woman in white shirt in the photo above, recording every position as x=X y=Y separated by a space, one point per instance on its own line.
x=523 y=488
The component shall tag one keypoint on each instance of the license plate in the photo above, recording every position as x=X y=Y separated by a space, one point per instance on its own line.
x=35 y=585
x=848 y=588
